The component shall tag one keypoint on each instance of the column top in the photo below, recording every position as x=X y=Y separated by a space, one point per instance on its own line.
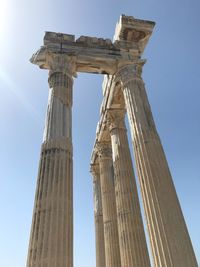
x=115 y=119
x=104 y=150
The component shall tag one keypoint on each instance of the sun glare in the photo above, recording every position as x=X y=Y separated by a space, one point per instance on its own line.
x=4 y=16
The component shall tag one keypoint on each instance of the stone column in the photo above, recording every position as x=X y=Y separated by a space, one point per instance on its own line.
x=133 y=247
x=170 y=241
x=98 y=215
x=51 y=240
x=112 y=252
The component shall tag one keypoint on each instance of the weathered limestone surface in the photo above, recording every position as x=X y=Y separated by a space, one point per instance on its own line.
x=133 y=247
x=170 y=241
x=112 y=252
x=51 y=241
x=98 y=215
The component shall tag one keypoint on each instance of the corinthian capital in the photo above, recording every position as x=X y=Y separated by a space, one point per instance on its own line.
x=115 y=119
x=61 y=63
x=129 y=72
x=104 y=149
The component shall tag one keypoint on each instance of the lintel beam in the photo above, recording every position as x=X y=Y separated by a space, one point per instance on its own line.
x=98 y=55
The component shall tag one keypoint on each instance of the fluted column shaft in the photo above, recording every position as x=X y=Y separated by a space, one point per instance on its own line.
x=98 y=215
x=112 y=253
x=133 y=247
x=170 y=241
x=51 y=240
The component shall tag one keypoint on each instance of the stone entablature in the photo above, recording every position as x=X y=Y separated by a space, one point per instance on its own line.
x=98 y=55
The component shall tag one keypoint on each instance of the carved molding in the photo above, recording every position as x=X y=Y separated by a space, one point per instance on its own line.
x=115 y=119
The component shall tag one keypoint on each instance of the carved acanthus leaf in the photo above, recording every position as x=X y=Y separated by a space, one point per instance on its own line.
x=62 y=63
x=104 y=149
x=115 y=119
x=129 y=72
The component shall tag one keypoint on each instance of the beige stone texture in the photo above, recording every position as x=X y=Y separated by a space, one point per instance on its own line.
x=133 y=247
x=111 y=237
x=98 y=216
x=170 y=241
x=51 y=240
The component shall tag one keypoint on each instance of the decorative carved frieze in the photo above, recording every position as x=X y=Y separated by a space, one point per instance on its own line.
x=130 y=31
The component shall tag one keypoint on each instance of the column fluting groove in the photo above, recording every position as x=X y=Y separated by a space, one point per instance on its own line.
x=169 y=238
x=51 y=240
x=133 y=247
x=98 y=217
x=112 y=252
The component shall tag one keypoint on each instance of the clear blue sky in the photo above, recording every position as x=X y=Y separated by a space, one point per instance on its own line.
x=172 y=77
